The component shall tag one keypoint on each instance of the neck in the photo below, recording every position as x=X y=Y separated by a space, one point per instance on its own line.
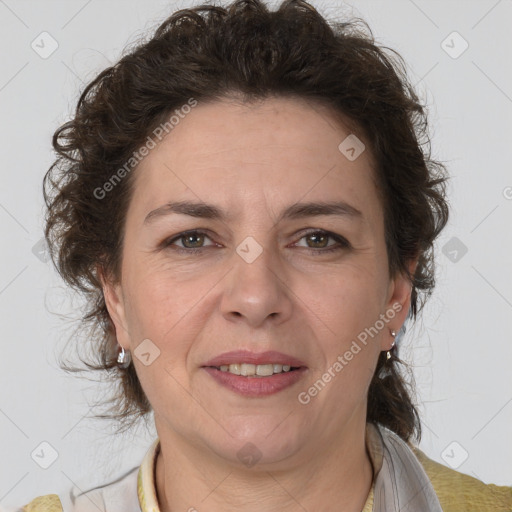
x=339 y=472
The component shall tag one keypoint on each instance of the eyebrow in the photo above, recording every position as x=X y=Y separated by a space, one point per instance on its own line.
x=294 y=211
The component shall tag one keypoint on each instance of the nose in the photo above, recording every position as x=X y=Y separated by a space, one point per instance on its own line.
x=257 y=292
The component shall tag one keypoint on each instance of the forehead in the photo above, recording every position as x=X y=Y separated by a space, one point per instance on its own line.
x=279 y=149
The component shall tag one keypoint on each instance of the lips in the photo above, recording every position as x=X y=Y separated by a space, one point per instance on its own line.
x=255 y=385
x=246 y=356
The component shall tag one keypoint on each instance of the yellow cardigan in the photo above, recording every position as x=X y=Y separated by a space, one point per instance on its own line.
x=456 y=492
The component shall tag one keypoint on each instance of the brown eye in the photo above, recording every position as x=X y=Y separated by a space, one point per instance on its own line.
x=319 y=239
x=189 y=241
x=193 y=240
x=318 y=242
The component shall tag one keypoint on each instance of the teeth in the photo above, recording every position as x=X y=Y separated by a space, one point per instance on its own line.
x=251 y=370
x=234 y=368
x=247 y=369
x=264 y=370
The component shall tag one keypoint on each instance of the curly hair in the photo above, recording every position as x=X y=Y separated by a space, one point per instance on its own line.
x=209 y=53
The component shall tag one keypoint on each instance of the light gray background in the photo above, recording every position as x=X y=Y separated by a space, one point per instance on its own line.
x=461 y=350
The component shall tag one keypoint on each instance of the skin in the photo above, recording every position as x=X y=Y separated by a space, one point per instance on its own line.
x=254 y=160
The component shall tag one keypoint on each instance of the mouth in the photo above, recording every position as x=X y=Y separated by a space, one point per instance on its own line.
x=256 y=370
x=255 y=375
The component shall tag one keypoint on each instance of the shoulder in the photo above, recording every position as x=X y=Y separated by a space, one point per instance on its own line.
x=457 y=491
x=117 y=496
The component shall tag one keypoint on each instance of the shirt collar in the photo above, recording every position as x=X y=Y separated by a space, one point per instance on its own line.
x=146 y=487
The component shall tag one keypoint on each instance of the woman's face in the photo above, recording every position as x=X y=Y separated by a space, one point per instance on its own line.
x=261 y=275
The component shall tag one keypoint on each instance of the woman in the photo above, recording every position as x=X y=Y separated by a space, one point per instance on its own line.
x=245 y=201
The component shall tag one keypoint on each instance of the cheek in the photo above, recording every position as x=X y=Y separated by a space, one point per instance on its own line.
x=156 y=295
x=344 y=312
x=350 y=299
x=170 y=309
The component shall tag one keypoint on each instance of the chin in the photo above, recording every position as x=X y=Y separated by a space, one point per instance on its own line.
x=258 y=441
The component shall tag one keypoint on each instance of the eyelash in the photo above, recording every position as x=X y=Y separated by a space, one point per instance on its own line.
x=342 y=243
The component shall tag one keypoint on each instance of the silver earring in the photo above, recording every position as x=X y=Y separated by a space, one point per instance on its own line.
x=388 y=353
x=124 y=359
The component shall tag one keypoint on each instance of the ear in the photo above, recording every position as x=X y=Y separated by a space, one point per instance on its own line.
x=398 y=304
x=115 y=303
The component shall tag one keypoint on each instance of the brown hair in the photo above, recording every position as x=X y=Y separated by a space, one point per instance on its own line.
x=209 y=53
